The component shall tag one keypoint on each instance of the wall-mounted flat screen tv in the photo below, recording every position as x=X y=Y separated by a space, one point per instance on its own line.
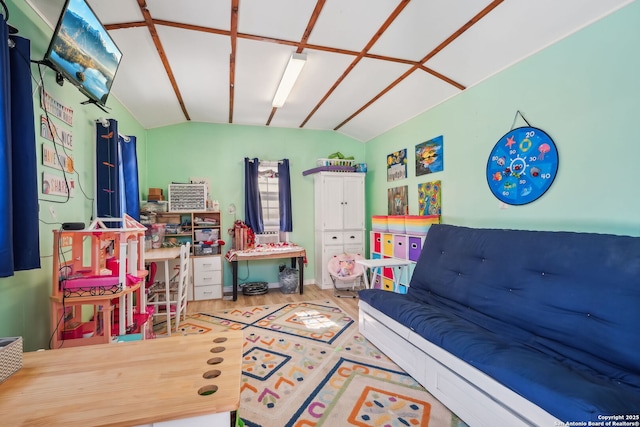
x=83 y=52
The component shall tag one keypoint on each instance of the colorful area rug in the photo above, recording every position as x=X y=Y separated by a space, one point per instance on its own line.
x=306 y=364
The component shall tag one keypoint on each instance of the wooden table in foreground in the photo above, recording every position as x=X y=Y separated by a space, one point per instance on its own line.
x=141 y=383
x=296 y=253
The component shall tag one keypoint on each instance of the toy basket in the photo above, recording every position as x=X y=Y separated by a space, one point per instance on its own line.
x=335 y=162
x=10 y=356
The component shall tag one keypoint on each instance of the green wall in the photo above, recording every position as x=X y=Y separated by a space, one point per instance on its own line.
x=584 y=91
x=24 y=298
x=216 y=151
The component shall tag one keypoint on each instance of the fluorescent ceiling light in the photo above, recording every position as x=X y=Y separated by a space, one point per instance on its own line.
x=291 y=73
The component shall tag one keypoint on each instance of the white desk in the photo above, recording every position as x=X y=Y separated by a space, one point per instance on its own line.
x=165 y=255
x=376 y=266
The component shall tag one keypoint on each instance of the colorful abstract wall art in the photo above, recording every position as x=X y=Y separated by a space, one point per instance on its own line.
x=429 y=156
x=429 y=198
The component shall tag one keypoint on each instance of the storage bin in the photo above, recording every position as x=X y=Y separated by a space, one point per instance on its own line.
x=379 y=223
x=10 y=356
x=419 y=224
x=396 y=223
x=334 y=162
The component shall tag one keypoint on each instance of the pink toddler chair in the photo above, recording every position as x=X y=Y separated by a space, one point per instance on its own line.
x=347 y=275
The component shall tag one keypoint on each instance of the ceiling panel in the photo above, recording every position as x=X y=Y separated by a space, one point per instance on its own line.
x=202 y=79
x=115 y=11
x=415 y=94
x=204 y=13
x=429 y=23
x=350 y=24
x=366 y=80
x=512 y=32
x=141 y=83
x=280 y=19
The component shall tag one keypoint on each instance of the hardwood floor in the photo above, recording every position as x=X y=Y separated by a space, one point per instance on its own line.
x=275 y=296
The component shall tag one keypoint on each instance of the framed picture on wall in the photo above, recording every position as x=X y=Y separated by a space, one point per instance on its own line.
x=398 y=200
x=397 y=165
x=429 y=198
x=429 y=156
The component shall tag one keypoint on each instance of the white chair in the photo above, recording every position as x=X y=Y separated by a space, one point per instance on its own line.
x=347 y=275
x=170 y=299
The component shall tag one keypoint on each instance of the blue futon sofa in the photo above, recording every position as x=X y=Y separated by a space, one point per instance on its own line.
x=510 y=327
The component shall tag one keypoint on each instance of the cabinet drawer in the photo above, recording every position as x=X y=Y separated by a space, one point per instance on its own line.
x=205 y=278
x=352 y=237
x=209 y=263
x=333 y=237
x=208 y=292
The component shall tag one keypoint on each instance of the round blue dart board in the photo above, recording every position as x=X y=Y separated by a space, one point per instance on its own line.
x=522 y=166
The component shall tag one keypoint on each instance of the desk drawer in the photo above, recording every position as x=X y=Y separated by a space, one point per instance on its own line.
x=208 y=292
x=206 y=278
x=208 y=263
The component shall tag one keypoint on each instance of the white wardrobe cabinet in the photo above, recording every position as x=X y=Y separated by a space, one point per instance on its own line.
x=339 y=219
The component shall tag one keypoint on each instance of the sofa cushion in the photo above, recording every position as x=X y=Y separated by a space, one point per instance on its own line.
x=577 y=294
x=564 y=388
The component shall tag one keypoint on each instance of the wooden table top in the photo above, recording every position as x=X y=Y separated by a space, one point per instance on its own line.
x=161 y=254
x=126 y=384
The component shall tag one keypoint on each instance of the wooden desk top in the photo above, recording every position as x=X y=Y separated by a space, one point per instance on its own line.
x=125 y=384
x=161 y=254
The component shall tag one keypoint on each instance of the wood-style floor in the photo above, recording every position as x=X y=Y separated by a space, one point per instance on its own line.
x=275 y=296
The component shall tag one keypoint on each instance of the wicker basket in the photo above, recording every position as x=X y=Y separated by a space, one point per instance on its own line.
x=334 y=162
x=10 y=356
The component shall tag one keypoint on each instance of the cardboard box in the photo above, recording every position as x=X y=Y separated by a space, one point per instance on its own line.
x=155 y=191
x=163 y=218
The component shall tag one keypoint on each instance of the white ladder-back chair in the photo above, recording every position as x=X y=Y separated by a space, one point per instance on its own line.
x=171 y=300
x=347 y=275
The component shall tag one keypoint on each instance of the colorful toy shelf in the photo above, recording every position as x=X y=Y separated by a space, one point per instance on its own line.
x=102 y=268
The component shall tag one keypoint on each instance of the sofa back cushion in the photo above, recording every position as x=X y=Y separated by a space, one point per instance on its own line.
x=569 y=291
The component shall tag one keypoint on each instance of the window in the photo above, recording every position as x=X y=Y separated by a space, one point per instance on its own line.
x=268 y=185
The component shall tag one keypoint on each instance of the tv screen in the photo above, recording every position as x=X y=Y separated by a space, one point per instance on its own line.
x=83 y=52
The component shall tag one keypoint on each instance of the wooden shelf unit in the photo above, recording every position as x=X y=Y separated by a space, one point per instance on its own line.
x=207 y=265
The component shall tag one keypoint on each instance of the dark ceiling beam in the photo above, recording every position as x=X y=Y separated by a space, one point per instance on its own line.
x=163 y=57
x=427 y=57
x=232 y=56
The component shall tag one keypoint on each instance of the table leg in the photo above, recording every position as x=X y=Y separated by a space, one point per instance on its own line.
x=234 y=270
x=166 y=296
x=301 y=275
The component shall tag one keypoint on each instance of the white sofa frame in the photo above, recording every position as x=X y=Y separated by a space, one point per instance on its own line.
x=472 y=395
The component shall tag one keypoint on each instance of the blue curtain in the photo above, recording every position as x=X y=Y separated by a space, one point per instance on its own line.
x=252 y=202
x=108 y=197
x=19 y=232
x=117 y=186
x=284 y=195
x=130 y=176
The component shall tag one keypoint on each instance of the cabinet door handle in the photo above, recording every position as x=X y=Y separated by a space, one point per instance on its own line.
x=334 y=238
x=352 y=237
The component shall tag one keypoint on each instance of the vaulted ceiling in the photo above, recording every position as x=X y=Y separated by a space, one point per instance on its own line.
x=371 y=64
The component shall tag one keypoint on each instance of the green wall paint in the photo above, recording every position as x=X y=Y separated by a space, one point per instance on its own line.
x=216 y=151
x=24 y=298
x=584 y=91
